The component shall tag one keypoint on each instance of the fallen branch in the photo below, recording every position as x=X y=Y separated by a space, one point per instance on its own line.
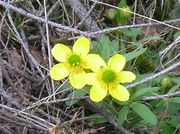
x=157 y=97
x=154 y=76
x=40 y=19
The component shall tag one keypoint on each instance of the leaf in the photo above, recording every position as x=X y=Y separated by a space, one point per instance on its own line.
x=175 y=121
x=175 y=100
x=77 y=93
x=133 y=33
x=173 y=89
x=134 y=54
x=176 y=35
x=95 y=48
x=122 y=3
x=106 y=48
x=166 y=128
x=145 y=113
x=122 y=114
x=97 y=119
x=144 y=91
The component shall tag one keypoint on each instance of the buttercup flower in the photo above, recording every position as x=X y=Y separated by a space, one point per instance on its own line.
x=71 y=62
x=106 y=79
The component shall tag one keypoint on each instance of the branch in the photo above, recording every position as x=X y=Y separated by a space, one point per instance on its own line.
x=82 y=13
x=168 y=95
x=153 y=20
x=154 y=76
x=40 y=19
x=131 y=26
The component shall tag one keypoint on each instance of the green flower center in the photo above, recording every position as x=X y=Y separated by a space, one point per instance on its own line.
x=74 y=59
x=108 y=76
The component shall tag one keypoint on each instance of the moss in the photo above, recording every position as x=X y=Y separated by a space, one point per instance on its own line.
x=144 y=63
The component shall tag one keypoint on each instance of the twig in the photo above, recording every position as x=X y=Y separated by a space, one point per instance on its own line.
x=40 y=19
x=41 y=122
x=131 y=26
x=165 y=51
x=87 y=15
x=81 y=12
x=168 y=95
x=106 y=4
x=48 y=46
x=154 y=76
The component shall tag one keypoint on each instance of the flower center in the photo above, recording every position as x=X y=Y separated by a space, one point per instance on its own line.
x=74 y=59
x=108 y=76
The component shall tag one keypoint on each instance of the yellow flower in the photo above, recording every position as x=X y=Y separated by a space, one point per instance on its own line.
x=72 y=62
x=106 y=79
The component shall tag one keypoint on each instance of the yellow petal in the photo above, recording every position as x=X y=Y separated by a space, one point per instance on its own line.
x=61 y=52
x=117 y=62
x=126 y=76
x=59 y=71
x=90 y=78
x=97 y=93
x=82 y=46
x=77 y=80
x=95 y=62
x=120 y=93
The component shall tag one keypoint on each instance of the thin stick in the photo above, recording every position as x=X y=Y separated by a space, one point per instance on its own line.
x=106 y=4
x=131 y=26
x=154 y=76
x=40 y=19
x=157 y=97
x=48 y=46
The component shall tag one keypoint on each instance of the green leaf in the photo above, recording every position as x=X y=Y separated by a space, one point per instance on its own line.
x=134 y=54
x=97 y=119
x=145 y=113
x=122 y=114
x=173 y=89
x=175 y=100
x=144 y=91
x=133 y=33
x=77 y=93
x=176 y=35
x=122 y=3
x=105 y=48
x=95 y=48
x=166 y=128
x=120 y=20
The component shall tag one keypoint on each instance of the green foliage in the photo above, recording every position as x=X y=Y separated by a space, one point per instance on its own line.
x=134 y=54
x=104 y=47
x=144 y=112
x=144 y=91
x=122 y=114
x=119 y=15
x=144 y=64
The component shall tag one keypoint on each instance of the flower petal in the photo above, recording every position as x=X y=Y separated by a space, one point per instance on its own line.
x=82 y=46
x=90 y=78
x=117 y=62
x=77 y=80
x=120 y=93
x=60 y=52
x=95 y=62
x=126 y=76
x=59 y=71
x=97 y=93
